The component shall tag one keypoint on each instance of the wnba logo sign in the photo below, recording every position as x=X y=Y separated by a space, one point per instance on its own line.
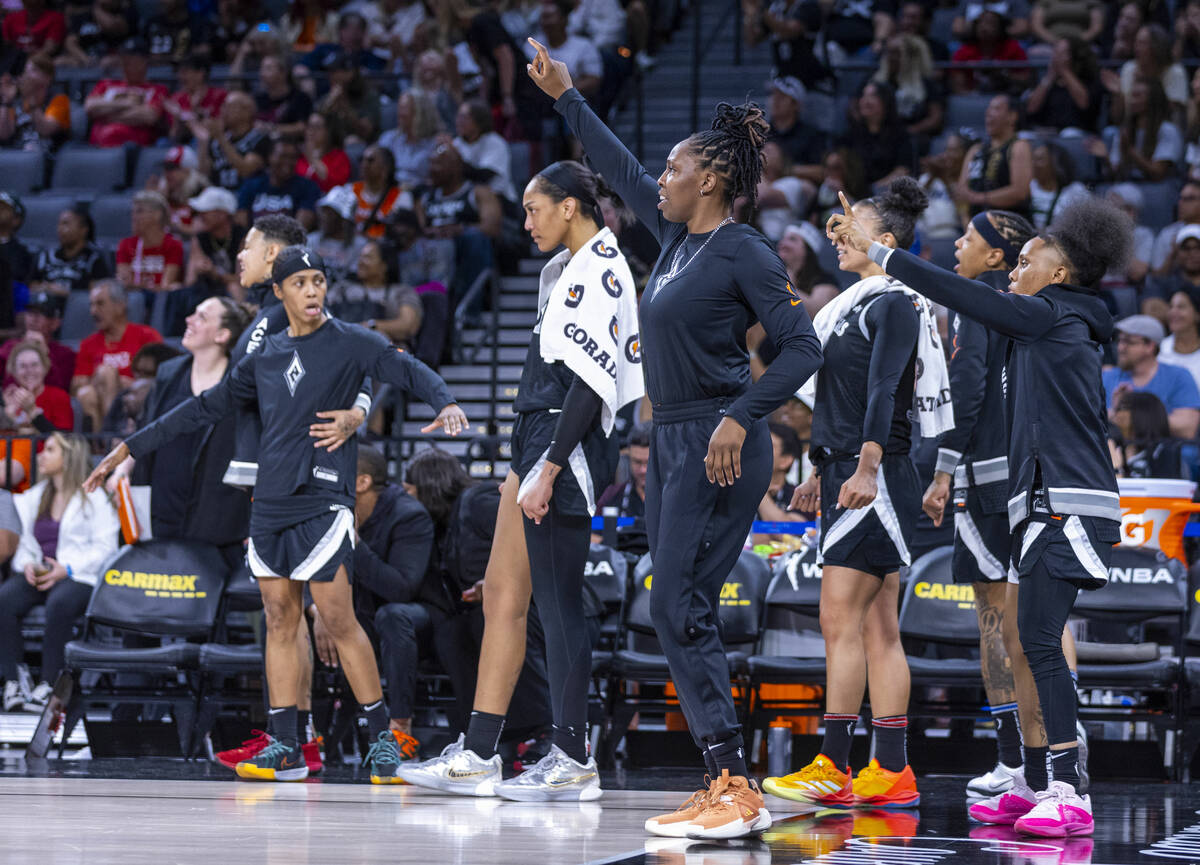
x=610 y=283
x=633 y=349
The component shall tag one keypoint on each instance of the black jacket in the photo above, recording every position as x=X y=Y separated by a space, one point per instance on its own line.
x=976 y=450
x=197 y=505
x=1055 y=405
x=391 y=558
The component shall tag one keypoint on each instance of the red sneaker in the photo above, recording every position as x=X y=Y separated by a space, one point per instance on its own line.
x=248 y=749
x=312 y=755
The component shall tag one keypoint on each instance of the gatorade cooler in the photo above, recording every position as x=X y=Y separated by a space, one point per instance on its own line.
x=1154 y=512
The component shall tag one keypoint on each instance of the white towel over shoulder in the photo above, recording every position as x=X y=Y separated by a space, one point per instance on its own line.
x=931 y=399
x=589 y=321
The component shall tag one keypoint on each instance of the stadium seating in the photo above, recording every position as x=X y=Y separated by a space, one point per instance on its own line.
x=111 y=214
x=86 y=171
x=23 y=170
x=41 y=218
x=149 y=163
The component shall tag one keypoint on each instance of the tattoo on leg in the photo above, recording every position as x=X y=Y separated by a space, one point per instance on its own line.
x=994 y=660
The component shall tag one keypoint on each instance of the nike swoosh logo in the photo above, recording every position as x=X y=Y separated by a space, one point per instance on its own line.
x=570 y=781
x=456 y=774
x=795 y=302
x=287 y=764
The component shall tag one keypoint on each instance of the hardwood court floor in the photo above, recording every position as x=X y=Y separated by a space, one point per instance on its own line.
x=81 y=819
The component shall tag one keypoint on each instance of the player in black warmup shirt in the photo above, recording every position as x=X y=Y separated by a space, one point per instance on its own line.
x=1063 y=505
x=302 y=516
x=714 y=279
x=866 y=486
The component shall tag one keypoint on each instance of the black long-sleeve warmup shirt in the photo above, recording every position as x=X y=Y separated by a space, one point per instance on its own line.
x=693 y=329
x=865 y=393
x=292 y=378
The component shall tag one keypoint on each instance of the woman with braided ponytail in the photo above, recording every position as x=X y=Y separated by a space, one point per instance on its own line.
x=713 y=280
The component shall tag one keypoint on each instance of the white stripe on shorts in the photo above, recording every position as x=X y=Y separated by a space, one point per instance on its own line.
x=1084 y=551
x=966 y=529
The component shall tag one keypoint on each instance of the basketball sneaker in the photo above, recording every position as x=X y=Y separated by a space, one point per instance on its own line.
x=554 y=778
x=245 y=751
x=455 y=770
x=1059 y=812
x=734 y=809
x=674 y=824
x=1081 y=762
x=819 y=783
x=877 y=787
x=278 y=761
x=1008 y=807
x=312 y=755
x=993 y=783
x=383 y=759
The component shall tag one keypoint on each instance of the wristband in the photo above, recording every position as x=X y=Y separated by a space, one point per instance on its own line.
x=70 y=573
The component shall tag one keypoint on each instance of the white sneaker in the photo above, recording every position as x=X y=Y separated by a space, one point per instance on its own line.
x=554 y=778
x=993 y=783
x=455 y=770
x=14 y=700
x=39 y=698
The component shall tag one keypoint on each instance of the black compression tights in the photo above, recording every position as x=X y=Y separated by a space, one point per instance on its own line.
x=1044 y=602
x=558 y=551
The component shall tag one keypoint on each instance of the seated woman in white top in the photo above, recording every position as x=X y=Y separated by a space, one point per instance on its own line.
x=1182 y=345
x=66 y=534
x=481 y=147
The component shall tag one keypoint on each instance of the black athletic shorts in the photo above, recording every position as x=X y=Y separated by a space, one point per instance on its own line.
x=982 y=541
x=874 y=539
x=311 y=551
x=531 y=436
x=1071 y=547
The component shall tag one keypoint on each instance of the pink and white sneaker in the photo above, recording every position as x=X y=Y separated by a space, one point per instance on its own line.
x=1008 y=807
x=1060 y=812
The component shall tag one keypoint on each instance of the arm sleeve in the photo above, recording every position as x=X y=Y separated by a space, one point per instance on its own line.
x=580 y=407
x=613 y=160
x=1019 y=316
x=968 y=380
x=402 y=370
x=895 y=326
x=764 y=284
x=207 y=408
x=397 y=577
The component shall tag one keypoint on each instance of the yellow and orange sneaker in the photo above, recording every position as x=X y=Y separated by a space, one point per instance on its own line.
x=819 y=783
x=877 y=787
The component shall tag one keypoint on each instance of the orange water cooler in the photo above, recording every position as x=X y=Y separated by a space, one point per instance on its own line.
x=1154 y=512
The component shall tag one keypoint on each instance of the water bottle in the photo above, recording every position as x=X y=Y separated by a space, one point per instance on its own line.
x=779 y=749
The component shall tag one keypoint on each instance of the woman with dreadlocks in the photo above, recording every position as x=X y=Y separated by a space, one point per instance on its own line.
x=713 y=280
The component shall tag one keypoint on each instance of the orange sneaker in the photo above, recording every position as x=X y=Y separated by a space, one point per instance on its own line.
x=820 y=783
x=735 y=809
x=876 y=787
x=674 y=824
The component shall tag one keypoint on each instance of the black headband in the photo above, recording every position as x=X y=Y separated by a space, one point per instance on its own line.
x=293 y=260
x=562 y=177
x=995 y=239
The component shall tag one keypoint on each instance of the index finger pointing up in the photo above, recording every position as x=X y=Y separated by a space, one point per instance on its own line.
x=845 y=203
x=539 y=48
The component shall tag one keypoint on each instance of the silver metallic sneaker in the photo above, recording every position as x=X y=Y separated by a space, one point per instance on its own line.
x=554 y=778
x=1082 y=737
x=455 y=770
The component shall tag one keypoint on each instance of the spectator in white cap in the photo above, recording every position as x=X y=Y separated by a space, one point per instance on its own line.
x=1129 y=198
x=180 y=181
x=337 y=242
x=804 y=145
x=798 y=250
x=1187 y=212
x=212 y=257
x=1139 y=369
x=1185 y=274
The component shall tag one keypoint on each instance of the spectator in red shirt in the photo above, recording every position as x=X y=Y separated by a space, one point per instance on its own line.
x=42 y=318
x=151 y=258
x=322 y=159
x=989 y=42
x=104 y=365
x=29 y=402
x=128 y=111
x=36 y=30
x=195 y=101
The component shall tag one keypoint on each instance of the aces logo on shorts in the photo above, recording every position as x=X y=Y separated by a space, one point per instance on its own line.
x=612 y=329
x=604 y=251
x=574 y=296
x=611 y=284
x=633 y=349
